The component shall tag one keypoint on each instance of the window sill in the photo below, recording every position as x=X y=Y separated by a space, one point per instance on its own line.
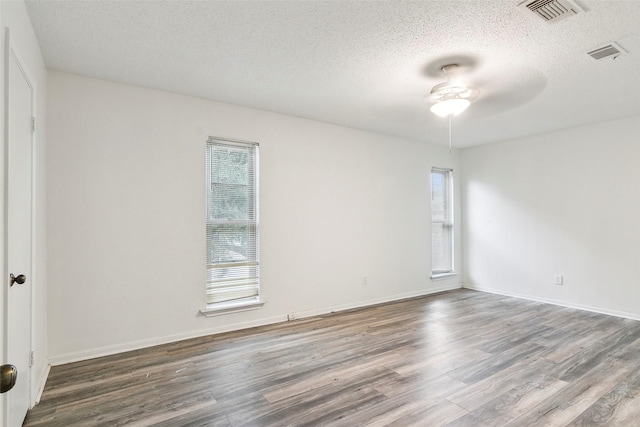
x=442 y=276
x=231 y=308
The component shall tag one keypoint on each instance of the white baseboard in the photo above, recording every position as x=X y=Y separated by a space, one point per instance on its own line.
x=41 y=383
x=374 y=301
x=136 y=345
x=601 y=310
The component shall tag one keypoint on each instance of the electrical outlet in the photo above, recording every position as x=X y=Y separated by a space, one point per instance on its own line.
x=364 y=281
x=559 y=279
x=291 y=317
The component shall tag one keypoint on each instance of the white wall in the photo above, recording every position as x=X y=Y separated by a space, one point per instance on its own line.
x=126 y=215
x=565 y=203
x=13 y=15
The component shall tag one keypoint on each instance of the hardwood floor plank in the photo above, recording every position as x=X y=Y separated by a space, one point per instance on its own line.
x=420 y=388
x=341 y=373
x=523 y=398
x=513 y=402
x=618 y=407
x=483 y=392
x=485 y=368
x=563 y=407
x=388 y=417
x=439 y=414
x=443 y=362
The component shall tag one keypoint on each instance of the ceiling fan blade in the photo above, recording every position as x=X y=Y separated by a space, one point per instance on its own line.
x=496 y=98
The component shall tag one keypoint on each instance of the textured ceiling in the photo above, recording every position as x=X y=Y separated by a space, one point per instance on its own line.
x=362 y=64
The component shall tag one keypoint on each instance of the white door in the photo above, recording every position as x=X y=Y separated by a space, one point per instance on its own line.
x=19 y=239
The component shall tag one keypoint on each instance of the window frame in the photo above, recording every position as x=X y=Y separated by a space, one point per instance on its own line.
x=448 y=221
x=213 y=308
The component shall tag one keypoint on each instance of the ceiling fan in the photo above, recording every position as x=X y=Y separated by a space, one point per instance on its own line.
x=505 y=85
x=452 y=97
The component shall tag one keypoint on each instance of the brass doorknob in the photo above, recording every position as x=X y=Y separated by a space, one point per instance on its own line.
x=8 y=377
x=20 y=279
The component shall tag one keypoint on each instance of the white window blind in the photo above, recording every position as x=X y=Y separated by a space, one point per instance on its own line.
x=233 y=265
x=441 y=221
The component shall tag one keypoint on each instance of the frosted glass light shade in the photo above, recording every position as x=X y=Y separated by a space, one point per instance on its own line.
x=450 y=107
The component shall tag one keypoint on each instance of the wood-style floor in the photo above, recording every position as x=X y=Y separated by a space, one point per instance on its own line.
x=460 y=358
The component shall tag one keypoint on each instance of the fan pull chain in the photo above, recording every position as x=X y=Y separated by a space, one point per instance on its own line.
x=449 y=134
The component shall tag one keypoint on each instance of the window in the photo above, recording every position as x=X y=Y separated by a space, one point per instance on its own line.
x=441 y=222
x=233 y=266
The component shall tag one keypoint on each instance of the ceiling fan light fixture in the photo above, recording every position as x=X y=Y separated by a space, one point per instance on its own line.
x=450 y=107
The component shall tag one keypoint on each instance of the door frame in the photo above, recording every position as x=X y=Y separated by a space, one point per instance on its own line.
x=9 y=54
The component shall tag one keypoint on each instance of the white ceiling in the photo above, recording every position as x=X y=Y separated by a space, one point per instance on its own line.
x=362 y=64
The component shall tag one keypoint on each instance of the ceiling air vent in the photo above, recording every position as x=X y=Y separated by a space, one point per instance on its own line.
x=612 y=51
x=551 y=11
